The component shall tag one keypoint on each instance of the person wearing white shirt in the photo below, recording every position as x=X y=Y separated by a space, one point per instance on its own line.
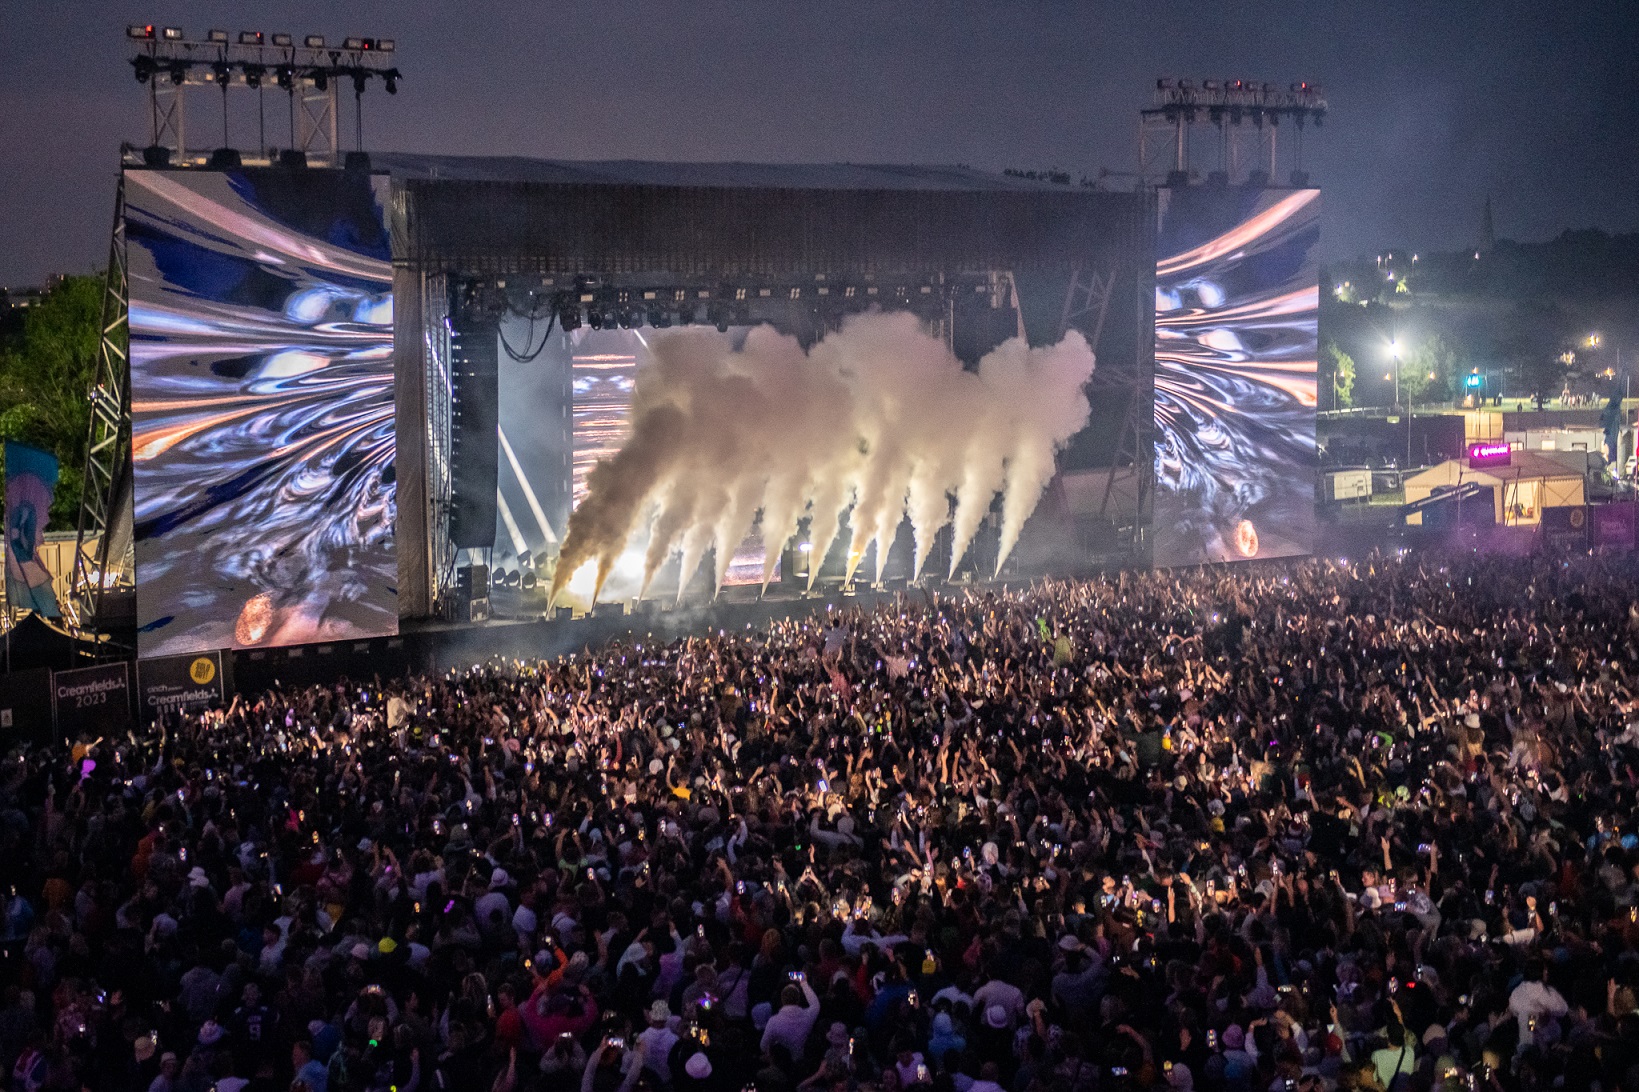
x=1533 y=1001
x=799 y=1009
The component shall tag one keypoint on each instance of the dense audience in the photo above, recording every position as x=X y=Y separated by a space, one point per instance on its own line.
x=1311 y=826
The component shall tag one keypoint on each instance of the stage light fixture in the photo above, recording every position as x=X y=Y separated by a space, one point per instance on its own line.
x=172 y=34
x=285 y=75
x=314 y=41
x=1165 y=84
x=179 y=72
x=1209 y=85
x=354 y=44
x=569 y=317
x=144 y=66
x=361 y=76
x=321 y=79
x=140 y=32
x=386 y=45
x=220 y=37
x=253 y=75
x=390 y=77
x=283 y=41
x=223 y=71
x=250 y=37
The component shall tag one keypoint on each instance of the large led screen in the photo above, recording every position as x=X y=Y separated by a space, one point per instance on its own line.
x=1236 y=310
x=544 y=467
x=262 y=408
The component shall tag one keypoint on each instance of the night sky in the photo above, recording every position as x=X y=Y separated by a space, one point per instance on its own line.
x=1433 y=106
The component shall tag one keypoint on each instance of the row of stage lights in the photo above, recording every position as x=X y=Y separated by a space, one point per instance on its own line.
x=285 y=74
x=149 y=33
x=1238 y=100
x=628 y=308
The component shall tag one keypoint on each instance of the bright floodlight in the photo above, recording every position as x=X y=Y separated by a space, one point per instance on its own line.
x=1394 y=349
x=250 y=37
x=173 y=34
x=140 y=31
x=220 y=36
x=314 y=41
x=282 y=40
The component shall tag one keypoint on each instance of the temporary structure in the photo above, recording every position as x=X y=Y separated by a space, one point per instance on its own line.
x=1531 y=482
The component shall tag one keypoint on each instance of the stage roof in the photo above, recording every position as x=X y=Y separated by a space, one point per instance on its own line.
x=641 y=172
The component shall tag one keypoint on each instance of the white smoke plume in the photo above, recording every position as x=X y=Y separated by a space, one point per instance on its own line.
x=879 y=418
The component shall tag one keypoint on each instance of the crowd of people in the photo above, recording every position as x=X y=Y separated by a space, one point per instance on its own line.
x=1303 y=826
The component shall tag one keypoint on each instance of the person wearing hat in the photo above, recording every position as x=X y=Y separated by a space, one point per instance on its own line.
x=658 y=1039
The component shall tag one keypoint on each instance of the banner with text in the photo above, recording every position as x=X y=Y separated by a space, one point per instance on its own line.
x=178 y=684
x=92 y=701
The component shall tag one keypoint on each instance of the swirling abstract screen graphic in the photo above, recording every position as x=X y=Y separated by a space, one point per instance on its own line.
x=1236 y=310
x=262 y=408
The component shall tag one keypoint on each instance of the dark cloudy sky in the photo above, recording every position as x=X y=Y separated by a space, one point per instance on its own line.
x=1433 y=105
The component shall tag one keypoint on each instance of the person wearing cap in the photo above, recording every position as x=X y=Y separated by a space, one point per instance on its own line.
x=1079 y=984
x=309 y=1070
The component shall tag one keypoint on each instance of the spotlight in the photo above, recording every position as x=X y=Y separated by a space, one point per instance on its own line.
x=286 y=77
x=223 y=71
x=179 y=72
x=594 y=319
x=354 y=44
x=142 y=33
x=283 y=41
x=220 y=37
x=144 y=66
x=569 y=317
x=361 y=76
x=630 y=318
x=172 y=34
x=386 y=45
x=253 y=75
x=391 y=78
x=321 y=79
x=529 y=581
x=659 y=319
x=717 y=315
x=314 y=41
x=1165 y=84
x=250 y=37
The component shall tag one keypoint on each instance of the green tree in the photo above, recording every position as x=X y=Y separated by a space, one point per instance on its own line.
x=1431 y=370
x=47 y=364
x=1338 y=371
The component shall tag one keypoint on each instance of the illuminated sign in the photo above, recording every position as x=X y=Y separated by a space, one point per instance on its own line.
x=1497 y=454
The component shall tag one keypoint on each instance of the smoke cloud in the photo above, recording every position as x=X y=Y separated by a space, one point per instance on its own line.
x=878 y=418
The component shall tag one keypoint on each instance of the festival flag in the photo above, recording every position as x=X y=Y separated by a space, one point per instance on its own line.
x=31 y=476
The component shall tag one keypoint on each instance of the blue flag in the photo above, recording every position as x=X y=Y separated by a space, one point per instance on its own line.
x=31 y=476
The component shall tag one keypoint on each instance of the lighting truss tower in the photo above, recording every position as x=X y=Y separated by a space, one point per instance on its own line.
x=1123 y=380
x=108 y=447
x=309 y=74
x=1244 y=119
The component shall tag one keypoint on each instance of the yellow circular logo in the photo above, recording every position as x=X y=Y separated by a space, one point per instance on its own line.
x=202 y=670
x=1578 y=517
